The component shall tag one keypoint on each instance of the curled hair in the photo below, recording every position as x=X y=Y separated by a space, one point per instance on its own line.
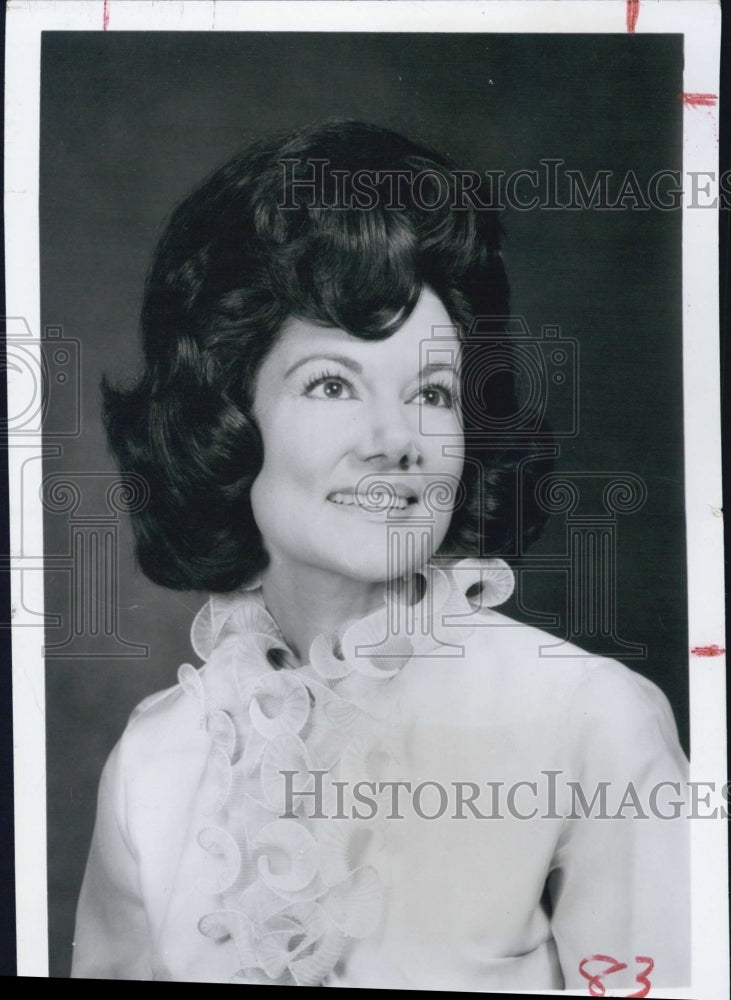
x=317 y=226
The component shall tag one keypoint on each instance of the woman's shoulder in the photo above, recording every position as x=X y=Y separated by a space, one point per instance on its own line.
x=508 y=654
x=542 y=669
x=598 y=701
x=164 y=726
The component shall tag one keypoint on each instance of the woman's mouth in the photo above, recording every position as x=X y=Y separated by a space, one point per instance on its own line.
x=374 y=503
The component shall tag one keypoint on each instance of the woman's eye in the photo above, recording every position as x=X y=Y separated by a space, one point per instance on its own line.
x=329 y=387
x=436 y=395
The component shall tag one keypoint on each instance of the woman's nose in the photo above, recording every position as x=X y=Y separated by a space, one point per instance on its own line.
x=390 y=440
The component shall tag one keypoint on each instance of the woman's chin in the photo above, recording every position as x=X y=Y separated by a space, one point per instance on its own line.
x=403 y=558
x=378 y=553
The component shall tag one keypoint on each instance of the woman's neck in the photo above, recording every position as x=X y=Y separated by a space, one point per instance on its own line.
x=305 y=602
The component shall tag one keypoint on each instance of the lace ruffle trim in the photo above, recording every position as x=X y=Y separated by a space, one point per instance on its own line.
x=291 y=892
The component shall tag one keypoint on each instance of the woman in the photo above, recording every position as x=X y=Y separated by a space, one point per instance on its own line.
x=373 y=780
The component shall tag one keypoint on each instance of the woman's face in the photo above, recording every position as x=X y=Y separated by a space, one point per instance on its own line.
x=362 y=443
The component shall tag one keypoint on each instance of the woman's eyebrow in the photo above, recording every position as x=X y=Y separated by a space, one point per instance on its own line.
x=354 y=366
x=339 y=359
x=438 y=366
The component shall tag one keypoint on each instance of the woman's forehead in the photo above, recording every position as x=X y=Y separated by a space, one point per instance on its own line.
x=427 y=338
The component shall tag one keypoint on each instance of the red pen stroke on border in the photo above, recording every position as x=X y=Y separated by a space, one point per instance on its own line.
x=699 y=100
x=633 y=12
x=706 y=101
x=105 y=16
x=611 y=965
x=713 y=650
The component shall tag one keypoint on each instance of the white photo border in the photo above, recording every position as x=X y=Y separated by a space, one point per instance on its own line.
x=697 y=22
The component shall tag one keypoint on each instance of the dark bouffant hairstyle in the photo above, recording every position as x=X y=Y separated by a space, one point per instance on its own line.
x=318 y=225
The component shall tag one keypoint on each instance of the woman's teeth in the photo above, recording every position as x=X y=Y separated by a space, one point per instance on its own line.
x=349 y=499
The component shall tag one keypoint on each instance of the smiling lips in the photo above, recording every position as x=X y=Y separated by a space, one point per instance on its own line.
x=382 y=499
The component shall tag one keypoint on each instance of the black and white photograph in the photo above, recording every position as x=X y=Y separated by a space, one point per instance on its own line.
x=362 y=366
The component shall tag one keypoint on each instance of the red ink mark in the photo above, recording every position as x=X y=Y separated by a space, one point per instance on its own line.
x=713 y=650
x=597 y=987
x=699 y=100
x=105 y=21
x=642 y=977
x=633 y=12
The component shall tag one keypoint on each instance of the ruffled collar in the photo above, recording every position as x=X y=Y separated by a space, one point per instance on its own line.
x=285 y=894
x=440 y=594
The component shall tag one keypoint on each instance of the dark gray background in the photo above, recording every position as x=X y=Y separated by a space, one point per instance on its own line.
x=130 y=122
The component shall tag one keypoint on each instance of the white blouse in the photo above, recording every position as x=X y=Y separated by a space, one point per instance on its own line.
x=433 y=801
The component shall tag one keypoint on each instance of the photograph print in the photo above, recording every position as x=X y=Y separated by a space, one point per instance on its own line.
x=363 y=494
